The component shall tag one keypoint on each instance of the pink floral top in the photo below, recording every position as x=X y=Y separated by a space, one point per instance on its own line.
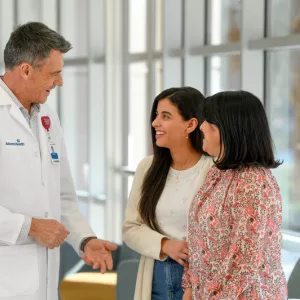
x=235 y=237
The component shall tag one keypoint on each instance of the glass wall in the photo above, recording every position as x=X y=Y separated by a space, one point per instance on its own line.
x=216 y=45
x=224 y=21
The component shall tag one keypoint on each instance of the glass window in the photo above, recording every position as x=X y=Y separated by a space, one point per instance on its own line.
x=6 y=26
x=48 y=12
x=97 y=218
x=96 y=27
x=223 y=73
x=74 y=105
x=224 y=21
x=97 y=130
x=173 y=24
x=172 y=75
x=283 y=109
x=28 y=11
x=138 y=125
x=74 y=26
x=283 y=17
x=52 y=100
x=137 y=25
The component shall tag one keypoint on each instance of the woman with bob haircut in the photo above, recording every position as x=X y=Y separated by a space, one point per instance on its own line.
x=234 y=227
x=164 y=185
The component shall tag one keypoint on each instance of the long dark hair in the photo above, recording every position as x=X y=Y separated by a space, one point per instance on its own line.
x=244 y=130
x=188 y=102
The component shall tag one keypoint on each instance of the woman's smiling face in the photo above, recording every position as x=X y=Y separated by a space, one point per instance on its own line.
x=170 y=127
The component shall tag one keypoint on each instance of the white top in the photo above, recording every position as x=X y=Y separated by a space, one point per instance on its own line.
x=179 y=191
x=140 y=237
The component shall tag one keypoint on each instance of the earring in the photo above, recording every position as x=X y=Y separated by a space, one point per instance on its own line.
x=187 y=137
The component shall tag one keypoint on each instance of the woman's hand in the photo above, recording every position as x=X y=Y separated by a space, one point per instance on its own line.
x=177 y=250
x=187 y=294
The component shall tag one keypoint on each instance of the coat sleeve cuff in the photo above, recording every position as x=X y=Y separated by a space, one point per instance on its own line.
x=24 y=230
x=85 y=241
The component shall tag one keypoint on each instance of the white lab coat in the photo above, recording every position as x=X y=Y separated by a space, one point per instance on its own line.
x=30 y=185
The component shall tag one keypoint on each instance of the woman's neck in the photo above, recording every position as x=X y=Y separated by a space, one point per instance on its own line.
x=184 y=159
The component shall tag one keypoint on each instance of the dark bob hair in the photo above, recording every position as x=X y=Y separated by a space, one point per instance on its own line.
x=244 y=130
x=188 y=102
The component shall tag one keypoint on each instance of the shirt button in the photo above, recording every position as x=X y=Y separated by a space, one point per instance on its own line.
x=43 y=183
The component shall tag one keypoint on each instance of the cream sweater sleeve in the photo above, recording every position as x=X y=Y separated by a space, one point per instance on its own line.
x=136 y=234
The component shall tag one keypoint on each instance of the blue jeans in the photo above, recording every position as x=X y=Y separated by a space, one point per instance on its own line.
x=166 y=282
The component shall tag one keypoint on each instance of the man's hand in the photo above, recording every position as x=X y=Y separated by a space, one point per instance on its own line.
x=48 y=233
x=187 y=294
x=177 y=250
x=98 y=254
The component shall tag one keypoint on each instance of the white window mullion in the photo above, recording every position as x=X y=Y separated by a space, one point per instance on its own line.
x=276 y=43
x=115 y=72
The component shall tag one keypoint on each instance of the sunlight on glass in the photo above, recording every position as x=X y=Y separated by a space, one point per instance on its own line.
x=137 y=25
x=137 y=113
x=283 y=17
x=74 y=120
x=224 y=21
x=283 y=109
x=224 y=73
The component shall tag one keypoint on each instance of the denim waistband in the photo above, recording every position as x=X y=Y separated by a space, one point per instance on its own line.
x=167 y=260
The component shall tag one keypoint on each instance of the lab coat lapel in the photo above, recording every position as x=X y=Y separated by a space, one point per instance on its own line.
x=17 y=115
x=15 y=112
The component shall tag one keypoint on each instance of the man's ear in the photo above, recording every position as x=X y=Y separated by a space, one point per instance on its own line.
x=25 y=70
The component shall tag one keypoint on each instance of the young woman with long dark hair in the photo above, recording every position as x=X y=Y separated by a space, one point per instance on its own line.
x=163 y=188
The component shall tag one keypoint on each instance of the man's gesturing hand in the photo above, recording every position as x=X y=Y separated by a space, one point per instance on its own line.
x=48 y=233
x=98 y=254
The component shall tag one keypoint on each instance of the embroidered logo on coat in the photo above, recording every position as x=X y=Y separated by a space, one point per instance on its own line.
x=16 y=143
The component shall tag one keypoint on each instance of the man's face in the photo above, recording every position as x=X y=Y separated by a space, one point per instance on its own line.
x=42 y=80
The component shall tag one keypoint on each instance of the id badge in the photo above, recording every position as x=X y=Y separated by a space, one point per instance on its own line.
x=53 y=153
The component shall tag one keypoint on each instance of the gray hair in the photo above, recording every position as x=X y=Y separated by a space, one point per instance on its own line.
x=32 y=43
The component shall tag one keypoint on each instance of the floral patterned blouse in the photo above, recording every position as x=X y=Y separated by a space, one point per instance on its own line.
x=234 y=234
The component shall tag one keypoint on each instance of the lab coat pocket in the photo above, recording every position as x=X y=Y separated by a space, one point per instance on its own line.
x=18 y=270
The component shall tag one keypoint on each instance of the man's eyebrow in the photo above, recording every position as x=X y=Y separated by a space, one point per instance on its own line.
x=56 y=72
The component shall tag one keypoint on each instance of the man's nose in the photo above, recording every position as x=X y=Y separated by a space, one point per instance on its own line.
x=59 y=80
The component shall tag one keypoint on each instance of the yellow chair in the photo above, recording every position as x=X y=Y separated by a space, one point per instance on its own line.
x=89 y=286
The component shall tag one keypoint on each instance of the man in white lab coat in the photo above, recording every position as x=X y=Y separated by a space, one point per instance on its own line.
x=38 y=209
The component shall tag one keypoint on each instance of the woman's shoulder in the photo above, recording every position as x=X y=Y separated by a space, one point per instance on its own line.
x=145 y=163
x=254 y=172
x=258 y=176
x=207 y=160
x=206 y=165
